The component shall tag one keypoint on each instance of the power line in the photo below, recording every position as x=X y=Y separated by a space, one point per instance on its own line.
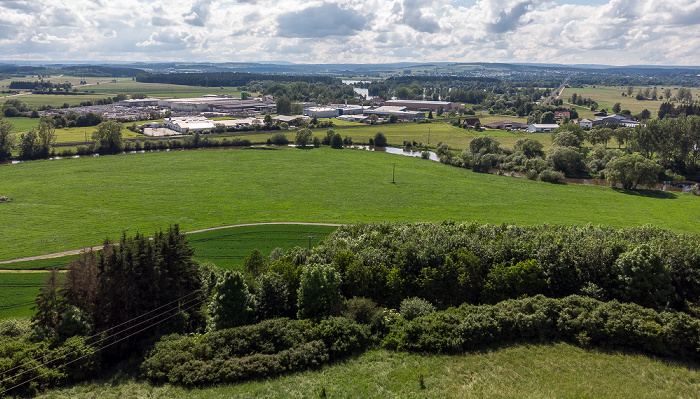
x=99 y=349
x=103 y=332
x=94 y=343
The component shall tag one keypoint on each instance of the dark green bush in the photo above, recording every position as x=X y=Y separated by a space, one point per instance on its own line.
x=267 y=349
x=581 y=320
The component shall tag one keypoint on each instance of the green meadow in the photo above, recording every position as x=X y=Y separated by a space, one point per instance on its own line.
x=607 y=96
x=68 y=204
x=227 y=248
x=18 y=291
x=519 y=371
x=428 y=134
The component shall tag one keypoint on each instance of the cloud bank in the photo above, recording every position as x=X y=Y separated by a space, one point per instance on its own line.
x=617 y=32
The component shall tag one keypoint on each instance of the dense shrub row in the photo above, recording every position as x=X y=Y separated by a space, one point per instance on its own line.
x=454 y=263
x=277 y=346
x=34 y=363
x=266 y=349
x=581 y=320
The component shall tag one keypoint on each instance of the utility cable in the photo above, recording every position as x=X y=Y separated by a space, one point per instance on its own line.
x=97 y=350
x=101 y=333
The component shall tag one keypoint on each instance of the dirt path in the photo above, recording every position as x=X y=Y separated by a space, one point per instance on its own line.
x=78 y=251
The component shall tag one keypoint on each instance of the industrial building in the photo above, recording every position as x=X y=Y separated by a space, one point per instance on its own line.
x=416 y=105
x=188 y=124
x=220 y=103
x=321 y=112
x=400 y=112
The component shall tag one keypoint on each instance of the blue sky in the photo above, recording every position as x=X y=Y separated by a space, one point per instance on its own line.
x=615 y=32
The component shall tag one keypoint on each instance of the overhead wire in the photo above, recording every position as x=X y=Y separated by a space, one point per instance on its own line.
x=109 y=336
x=199 y=301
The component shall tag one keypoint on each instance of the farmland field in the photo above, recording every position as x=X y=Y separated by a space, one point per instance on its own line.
x=396 y=134
x=226 y=248
x=607 y=96
x=75 y=203
x=519 y=371
x=18 y=291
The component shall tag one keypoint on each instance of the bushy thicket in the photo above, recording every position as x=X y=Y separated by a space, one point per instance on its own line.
x=453 y=263
x=267 y=349
x=580 y=320
x=33 y=363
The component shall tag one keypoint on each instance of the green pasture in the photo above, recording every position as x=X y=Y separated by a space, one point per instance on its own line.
x=76 y=203
x=607 y=96
x=34 y=101
x=158 y=90
x=520 y=371
x=227 y=248
x=18 y=291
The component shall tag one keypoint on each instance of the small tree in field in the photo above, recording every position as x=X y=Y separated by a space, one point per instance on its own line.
x=337 y=141
x=108 y=138
x=303 y=137
x=380 y=140
x=631 y=170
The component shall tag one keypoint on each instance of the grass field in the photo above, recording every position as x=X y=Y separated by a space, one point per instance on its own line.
x=607 y=96
x=440 y=132
x=524 y=371
x=226 y=248
x=76 y=203
x=17 y=293
x=158 y=90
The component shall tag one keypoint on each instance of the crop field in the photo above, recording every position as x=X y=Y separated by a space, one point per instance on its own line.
x=607 y=96
x=520 y=371
x=34 y=101
x=158 y=90
x=226 y=248
x=75 y=203
x=18 y=291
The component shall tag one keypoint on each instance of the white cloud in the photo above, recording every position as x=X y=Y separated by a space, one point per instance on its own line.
x=372 y=31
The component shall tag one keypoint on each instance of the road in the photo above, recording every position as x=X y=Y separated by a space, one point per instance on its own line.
x=97 y=248
x=556 y=92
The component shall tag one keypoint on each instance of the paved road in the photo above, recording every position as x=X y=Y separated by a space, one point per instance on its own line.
x=556 y=92
x=78 y=251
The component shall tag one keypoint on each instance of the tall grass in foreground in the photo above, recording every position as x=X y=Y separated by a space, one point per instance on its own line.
x=522 y=371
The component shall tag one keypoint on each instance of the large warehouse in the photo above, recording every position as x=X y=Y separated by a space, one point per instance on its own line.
x=416 y=105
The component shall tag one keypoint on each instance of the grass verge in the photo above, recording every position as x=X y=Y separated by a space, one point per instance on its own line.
x=522 y=371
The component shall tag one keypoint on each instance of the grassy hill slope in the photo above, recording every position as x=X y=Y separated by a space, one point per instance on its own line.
x=73 y=203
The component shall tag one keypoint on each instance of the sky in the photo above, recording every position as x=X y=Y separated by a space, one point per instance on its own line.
x=610 y=32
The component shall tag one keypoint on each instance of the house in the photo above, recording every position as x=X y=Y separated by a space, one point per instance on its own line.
x=471 y=121
x=506 y=125
x=559 y=115
x=585 y=123
x=542 y=127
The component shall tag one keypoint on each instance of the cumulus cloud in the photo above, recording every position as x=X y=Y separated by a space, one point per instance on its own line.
x=327 y=19
x=612 y=31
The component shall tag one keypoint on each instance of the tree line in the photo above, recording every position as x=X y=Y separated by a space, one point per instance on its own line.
x=445 y=288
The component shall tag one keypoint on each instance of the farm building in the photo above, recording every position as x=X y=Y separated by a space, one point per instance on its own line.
x=615 y=120
x=585 y=123
x=471 y=121
x=559 y=115
x=506 y=125
x=542 y=127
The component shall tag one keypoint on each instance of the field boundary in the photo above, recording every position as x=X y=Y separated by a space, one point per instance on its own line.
x=99 y=247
